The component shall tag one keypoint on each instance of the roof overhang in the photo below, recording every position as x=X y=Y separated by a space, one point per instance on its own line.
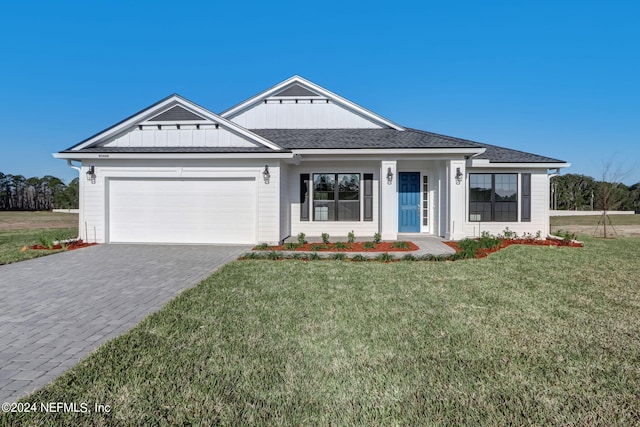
x=485 y=163
x=391 y=151
x=243 y=106
x=139 y=156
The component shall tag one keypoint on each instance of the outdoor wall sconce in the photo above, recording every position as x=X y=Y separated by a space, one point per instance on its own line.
x=91 y=174
x=458 y=176
x=265 y=174
x=389 y=176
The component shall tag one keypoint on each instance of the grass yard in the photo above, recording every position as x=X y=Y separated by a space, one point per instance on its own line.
x=529 y=335
x=19 y=229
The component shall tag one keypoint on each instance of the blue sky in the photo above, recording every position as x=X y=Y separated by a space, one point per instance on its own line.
x=557 y=78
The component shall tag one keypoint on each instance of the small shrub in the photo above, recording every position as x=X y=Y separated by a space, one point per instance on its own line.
x=325 y=238
x=377 y=238
x=358 y=258
x=45 y=240
x=409 y=257
x=488 y=241
x=369 y=245
x=297 y=255
x=317 y=247
x=291 y=246
x=249 y=255
x=340 y=245
x=400 y=245
x=426 y=257
x=468 y=248
x=314 y=256
x=301 y=240
x=566 y=236
x=386 y=257
x=538 y=234
x=508 y=234
x=262 y=247
x=351 y=237
x=339 y=256
x=274 y=255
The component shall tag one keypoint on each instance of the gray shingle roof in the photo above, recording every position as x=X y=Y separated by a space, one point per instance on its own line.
x=299 y=139
x=360 y=138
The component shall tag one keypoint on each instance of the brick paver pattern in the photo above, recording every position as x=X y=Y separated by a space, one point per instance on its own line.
x=56 y=309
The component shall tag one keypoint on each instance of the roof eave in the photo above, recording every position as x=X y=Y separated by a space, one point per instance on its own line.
x=79 y=155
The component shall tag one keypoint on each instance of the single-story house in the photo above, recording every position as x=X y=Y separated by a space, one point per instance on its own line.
x=297 y=158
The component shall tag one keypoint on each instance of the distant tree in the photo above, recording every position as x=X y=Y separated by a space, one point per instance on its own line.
x=573 y=192
x=46 y=193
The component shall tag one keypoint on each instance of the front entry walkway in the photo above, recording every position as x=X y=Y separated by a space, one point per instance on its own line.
x=56 y=309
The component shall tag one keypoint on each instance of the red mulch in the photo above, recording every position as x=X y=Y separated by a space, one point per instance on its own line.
x=70 y=246
x=352 y=247
x=505 y=243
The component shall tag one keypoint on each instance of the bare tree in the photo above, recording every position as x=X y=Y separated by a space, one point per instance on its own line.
x=609 y=194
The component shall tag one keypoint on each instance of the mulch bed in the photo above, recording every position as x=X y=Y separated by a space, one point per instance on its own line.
x=481 y=253
x=352 y=247
x=70 y=246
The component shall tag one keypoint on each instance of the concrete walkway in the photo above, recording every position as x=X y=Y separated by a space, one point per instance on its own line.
x=56 y=309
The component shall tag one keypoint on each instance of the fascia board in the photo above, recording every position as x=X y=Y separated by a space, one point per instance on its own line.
x=514 y=165
x=391 y=151
x=110 y=156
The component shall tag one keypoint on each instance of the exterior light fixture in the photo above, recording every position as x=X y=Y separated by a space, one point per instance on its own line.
x=91 y=173
x=265 y=174
x=389 y=176
x=458 y=176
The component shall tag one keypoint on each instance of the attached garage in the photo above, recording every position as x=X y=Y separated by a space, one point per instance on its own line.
x=216 y=210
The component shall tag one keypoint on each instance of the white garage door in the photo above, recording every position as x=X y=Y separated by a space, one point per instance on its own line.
x=182 y=210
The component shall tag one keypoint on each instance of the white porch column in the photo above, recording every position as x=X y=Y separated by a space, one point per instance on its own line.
x=388 y=201
x=456 y=199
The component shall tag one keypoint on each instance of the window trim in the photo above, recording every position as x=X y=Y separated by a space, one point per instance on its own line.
x=493 y=201
x=312 y=200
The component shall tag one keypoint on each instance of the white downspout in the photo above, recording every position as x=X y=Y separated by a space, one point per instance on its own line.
x=81 y=229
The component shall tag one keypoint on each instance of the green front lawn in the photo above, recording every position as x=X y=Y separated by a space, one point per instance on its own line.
x=529 y=335
x=12 y=242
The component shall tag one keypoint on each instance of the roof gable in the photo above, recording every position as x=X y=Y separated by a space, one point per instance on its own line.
x=167 y=119
x=330 y=110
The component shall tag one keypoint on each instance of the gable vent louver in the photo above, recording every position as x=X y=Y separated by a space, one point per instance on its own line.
x=296 y=90
x=176 y=114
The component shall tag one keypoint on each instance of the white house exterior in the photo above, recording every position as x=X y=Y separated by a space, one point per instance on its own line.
x=297 y=158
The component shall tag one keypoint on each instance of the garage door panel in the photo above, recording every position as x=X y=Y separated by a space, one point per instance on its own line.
x=182 y=211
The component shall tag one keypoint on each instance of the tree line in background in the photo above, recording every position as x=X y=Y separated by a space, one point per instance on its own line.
x=37 y=194
x=584 y=193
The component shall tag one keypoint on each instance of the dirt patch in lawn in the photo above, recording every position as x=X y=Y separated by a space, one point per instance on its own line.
x=21 y=220
x=348 y=247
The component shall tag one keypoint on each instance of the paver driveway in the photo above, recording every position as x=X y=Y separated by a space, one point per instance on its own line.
x=56 y=309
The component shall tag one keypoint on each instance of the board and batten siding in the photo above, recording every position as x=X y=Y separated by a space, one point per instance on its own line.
x=94 y=225
x=363 y=230
x=539 y=206
x=188 y=135
x=285 y=210
x=301 y=115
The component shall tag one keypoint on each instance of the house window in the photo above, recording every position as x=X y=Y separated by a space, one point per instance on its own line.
x=425 y=200
x=336 y=197
x=493 y=197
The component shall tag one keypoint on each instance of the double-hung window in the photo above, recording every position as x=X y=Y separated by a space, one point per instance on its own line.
x=493 y=197
x=336 y=197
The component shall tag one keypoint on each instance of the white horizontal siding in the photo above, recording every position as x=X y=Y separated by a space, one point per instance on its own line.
x=362 y=229
x=539 y=208
x=186 y=136
x=303 y=115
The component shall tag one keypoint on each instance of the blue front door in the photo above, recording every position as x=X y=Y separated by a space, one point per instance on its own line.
x=409 y=202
